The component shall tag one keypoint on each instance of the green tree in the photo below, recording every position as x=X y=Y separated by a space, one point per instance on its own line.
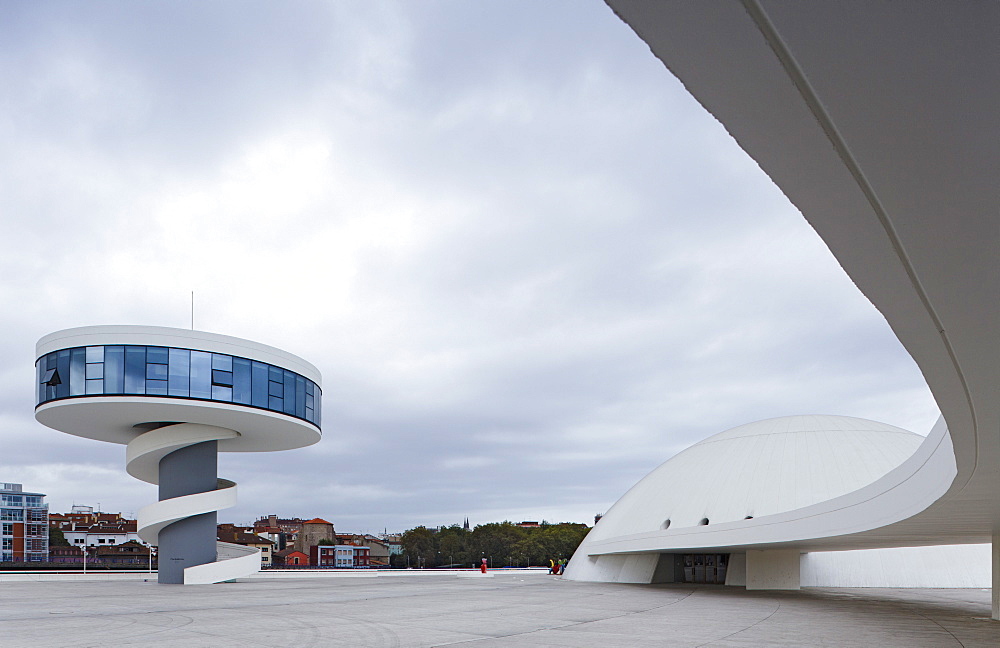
x=530 y=550
x=56 y=538
x=496 y=540
x=418 y=543
x=453 y=545
x=561 y=540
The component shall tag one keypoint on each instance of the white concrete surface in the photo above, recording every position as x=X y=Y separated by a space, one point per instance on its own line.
x=951 y=566
x=507 y=611
x=232 y=561
x=773 y=569
x=758 y=469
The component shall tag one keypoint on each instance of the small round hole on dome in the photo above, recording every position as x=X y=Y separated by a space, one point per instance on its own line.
x=665 y=525
x=704 y=522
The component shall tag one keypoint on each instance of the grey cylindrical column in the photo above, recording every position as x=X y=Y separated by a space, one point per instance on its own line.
x=191 y=541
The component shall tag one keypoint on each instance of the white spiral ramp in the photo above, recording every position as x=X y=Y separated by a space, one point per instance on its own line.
x=143 y=455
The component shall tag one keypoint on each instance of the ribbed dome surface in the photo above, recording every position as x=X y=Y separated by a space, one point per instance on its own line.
x=758 y=469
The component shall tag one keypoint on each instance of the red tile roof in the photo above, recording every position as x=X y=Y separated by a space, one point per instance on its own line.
x=317 y=521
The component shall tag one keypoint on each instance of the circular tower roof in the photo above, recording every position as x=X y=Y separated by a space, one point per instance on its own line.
x=760 y=468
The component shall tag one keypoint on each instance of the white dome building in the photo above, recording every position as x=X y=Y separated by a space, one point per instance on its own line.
x=764 y=468
x=760 y=468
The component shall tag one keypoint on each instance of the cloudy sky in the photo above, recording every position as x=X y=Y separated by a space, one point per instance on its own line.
x=530 y=267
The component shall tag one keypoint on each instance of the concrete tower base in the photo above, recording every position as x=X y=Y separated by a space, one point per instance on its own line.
x=192 y=540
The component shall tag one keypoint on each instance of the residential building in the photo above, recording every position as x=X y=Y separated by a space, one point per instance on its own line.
x=281 y=531
x=378 y=549
x=72 y=555
x=129 y=553
x=290 y=558
x=395 y=543
x=325 y=555
x=341 y=556
x=362 y=557
x=238 y=535
x=313 y=532
x=24 y=525
x=82 y=527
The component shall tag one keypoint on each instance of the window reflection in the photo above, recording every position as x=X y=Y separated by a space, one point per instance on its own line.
x=179 y=372
x=170 y=372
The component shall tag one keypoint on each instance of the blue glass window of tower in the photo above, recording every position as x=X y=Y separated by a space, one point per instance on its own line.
x=179 y=372
x=156 y=371
x=95 y=370
x=135 y=370
x=77 y=372
x=114 y=370
x=259 y=372
x=289 y=393
x=201 y=374
x=224 y=394
x=95 y=354
x=62 y=366
x=300 y=396
x=242 y=392
x=158 y=355
x=162 y=371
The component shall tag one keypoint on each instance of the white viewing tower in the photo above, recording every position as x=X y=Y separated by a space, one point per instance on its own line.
x=175 y=398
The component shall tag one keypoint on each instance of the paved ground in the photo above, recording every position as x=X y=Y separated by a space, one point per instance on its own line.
x=502 y=612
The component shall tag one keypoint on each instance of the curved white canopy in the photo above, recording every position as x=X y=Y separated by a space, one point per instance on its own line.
x=878 y=121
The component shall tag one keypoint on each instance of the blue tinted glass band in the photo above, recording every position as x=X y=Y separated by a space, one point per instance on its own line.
x=175 y=373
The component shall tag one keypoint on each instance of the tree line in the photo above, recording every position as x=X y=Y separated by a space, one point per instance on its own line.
x=503 y=544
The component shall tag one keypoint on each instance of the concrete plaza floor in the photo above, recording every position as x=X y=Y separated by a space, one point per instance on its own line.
x=507 y=610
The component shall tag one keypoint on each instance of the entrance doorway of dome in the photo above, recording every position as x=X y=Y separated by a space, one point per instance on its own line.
x=705 y=568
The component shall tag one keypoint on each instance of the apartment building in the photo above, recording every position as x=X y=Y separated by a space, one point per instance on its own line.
x=24 y=525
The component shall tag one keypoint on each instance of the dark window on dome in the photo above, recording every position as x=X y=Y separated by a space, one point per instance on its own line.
x=749 y=517
x=665 y=525
x=704 y=522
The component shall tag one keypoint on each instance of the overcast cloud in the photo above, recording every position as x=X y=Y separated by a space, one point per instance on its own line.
x=530 y=267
